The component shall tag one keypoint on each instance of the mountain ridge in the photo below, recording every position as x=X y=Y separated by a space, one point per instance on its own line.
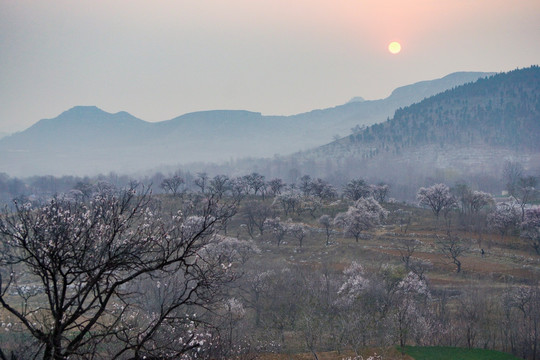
x=88 y=139
x=471 y=128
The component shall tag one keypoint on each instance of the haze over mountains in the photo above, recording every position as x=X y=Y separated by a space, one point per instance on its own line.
x=86 y=140
x=471 y=129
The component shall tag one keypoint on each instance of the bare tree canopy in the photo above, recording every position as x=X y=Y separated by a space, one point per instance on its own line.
x=77 y=276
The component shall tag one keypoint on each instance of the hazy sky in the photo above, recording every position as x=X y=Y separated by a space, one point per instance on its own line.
x=160 y=59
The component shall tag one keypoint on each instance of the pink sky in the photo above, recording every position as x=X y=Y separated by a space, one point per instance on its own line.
x=161 y=59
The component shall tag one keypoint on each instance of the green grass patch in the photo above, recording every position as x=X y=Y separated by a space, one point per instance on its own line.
x=453 y=353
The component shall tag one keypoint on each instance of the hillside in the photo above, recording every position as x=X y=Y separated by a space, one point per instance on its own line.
x=503 y=110
x=474 y=127
x=87 y=140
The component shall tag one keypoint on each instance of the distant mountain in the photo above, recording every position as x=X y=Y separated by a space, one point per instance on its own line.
x=87 y=140
x=471 y=128
x=3 y=134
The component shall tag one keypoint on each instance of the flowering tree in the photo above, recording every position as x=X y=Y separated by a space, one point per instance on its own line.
x=356 y=189
x=322 y=189
x=289 y=201
x=503 y=218
x=364 y=215
x=355 y=284
x=522 y=307
x=437 y=198
x=380 y=191
x=110 y=274
x=531 y=228
x=297 y=231
x=277 y=227
x=311 y=205
x=411 y=295
x=354 y=311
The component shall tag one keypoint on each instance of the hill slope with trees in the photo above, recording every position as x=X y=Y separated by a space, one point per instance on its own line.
x=503 y=110
x=472 y=128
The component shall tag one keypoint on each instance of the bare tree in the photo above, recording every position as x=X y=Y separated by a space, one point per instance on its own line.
x=311 y=205
x=477 y=200
x=255 y=182
x=453 y=248
x=326 y=222
x=254 y=290
x=305 y=185
x=512 y=172
x=201 y=181
x=473 y=306
x=297 y=231
x=289 y=201
x=277 y=227
x=255 y=214
x=380 y=191
x=172 y=184
x=322 y=189
x=276 y=186
x=403 y=219
x=81 y=272
x=406 y=251
x=220 y=184
x=525 y=192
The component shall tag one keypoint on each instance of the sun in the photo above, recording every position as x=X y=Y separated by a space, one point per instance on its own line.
x=394 y=47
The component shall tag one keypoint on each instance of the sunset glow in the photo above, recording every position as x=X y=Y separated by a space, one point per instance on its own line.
x=273 y=57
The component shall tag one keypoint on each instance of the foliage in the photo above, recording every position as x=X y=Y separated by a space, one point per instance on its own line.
x=453 y=353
